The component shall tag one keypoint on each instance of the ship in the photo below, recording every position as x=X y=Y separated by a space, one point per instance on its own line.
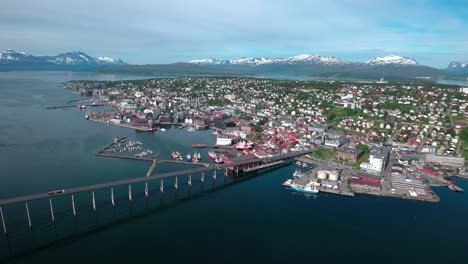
x=243 y=146
x=86 y=116
x=212 y=155
x=308 y=188
x=188 y=157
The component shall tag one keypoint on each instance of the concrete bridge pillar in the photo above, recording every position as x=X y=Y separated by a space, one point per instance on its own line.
x=146 y=189
x=73 y=205
x=130 y=192
x=27 y=212
x=94 y=202
x=3 y=221
x=51 y=210
x=112 y=197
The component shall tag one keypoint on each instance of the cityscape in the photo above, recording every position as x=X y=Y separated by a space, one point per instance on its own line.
x=203 y=131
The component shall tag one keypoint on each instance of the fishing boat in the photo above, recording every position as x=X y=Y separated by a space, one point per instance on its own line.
x=288 y=183
x=308 y=188
x=212 y=155
x=243 y=146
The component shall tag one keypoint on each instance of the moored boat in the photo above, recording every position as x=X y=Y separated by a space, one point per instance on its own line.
x=288 y=183
x=219 y=160
x=308 y=188
x=188 y=157
x=212 y=155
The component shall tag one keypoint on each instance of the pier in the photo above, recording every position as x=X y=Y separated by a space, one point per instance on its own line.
x=70 y=106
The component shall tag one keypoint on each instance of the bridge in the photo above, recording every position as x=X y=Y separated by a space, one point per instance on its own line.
x=260 y=163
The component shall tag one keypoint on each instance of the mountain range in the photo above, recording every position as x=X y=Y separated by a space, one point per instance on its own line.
x=392 y=66
x=74 y=59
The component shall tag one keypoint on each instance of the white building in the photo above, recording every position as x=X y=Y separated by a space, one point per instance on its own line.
x=223 y=141
x=377 y=161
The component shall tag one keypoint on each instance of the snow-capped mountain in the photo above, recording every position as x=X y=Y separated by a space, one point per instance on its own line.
x=73 y=58
x=299 y=59
x=458 y=65
x=392 y=60
x=458 y=68
x=11 y=56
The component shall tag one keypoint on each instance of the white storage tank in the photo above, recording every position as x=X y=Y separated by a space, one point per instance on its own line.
x=333 y=176
x=322 y=174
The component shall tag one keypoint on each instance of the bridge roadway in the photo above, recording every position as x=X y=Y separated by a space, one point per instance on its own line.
x=94 y=187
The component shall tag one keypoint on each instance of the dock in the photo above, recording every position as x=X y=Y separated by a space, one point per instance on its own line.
x=264 y=166
x=185 y=162
x=138 y=128
x=152 y=168
x=70 y=106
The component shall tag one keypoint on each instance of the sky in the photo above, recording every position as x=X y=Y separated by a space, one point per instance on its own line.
x=433 y=33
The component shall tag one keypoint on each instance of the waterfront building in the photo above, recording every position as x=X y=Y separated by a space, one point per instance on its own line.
x=401 y=182
x=365 y=184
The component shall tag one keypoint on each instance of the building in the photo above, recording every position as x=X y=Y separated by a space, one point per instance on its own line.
x=365 y=184
x=464 y=90
x=231 y=157
x=445 y=160
x=377 y=161
x=401 y=182
x=334 y=140
x=319 y=128
x=349 y=154
x=344 y=103
x=223 y=141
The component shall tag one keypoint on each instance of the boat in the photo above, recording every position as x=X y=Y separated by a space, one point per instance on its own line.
x=188 y=157
x=191 y=129
x=297 y=174
x=212 y=155
x=219 y=160
x=243 y=146
x=86 y=116
x=288 y=183
x=176 y=155
x=162 y=129
x=308 y=188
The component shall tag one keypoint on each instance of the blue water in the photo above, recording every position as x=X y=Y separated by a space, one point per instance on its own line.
x=255 y=220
